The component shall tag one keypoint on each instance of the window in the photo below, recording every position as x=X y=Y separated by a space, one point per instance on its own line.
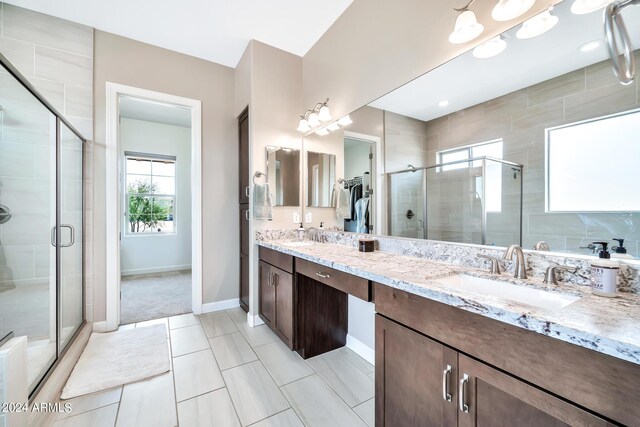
x=592 y=166
x=493 y=178
x=150 y=193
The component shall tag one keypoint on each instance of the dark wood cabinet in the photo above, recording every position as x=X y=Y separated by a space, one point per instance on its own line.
x=244 y=282
x=276 y=300
x=415 y=378
x=243 y=179
x=243 y=139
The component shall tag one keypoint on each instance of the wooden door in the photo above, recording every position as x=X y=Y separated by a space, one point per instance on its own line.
x=244 y=282
x=283 y=283
x=243 y=138
x=496 y=399
x=415 y=378
x=267 y=294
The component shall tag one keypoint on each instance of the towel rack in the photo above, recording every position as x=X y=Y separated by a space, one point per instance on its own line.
x=259 y=174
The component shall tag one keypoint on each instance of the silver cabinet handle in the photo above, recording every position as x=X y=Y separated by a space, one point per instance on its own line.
x=323 y=275
x=461 y=398
x=445 y=383
x=72 y=230
x=275 y=279
x=246 y=191
x=246 y=215
x=270 y=279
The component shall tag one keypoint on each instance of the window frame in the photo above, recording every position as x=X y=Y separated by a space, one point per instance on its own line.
x=174 y=197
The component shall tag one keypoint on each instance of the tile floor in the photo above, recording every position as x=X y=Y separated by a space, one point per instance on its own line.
x=225 y=373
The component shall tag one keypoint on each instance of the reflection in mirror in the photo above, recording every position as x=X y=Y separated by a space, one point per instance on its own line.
x=283 y=170
x=550 y=103
x=321 y=177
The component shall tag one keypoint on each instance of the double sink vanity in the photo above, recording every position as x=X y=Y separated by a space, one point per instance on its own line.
x=458 y=345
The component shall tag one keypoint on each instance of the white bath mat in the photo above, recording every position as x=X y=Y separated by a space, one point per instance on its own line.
x=116 y=358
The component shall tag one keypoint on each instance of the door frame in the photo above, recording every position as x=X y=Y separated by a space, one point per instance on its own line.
x=113 y=200
x=379 y=223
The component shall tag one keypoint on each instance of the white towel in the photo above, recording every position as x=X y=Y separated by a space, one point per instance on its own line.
x=343 y=202
x=262 y=204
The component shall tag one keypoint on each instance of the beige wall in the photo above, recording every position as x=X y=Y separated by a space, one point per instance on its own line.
x=128 y=62
x=377 y=45
x=269 y=81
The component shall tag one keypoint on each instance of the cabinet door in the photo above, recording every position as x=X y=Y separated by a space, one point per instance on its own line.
x=415 y=378
x=496 y=399
x=243 y=137
x=244 y=229
x=283 y=283
x=267 y=293
x=244 y=282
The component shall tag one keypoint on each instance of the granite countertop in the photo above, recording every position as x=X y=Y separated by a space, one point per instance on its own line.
x=606 y=325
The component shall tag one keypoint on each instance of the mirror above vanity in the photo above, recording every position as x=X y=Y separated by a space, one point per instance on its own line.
x=283 y=170
x=526 y=140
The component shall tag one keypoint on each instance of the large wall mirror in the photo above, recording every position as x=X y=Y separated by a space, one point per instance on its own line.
x=523 y=140
x=283 y=170
x=321 y=178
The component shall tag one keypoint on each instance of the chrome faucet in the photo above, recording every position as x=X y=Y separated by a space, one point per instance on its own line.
x=495 y=265
x=550 y=275
x=314 y=234
x=521 y=266
x=541 y=246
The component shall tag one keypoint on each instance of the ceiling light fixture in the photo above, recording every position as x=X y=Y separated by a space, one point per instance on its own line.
x=507 y=10
x=490 y=48
x=322 y=132
x=314 y=117
x=467 y=27
x=345 y=121
x=537 y=25
x=333 y=126
x=443 y=103
x=589 y=46
x=582 y=7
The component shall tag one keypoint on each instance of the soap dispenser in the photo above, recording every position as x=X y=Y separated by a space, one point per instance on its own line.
x=604 y=273
x=301 y=231
x=620 y=251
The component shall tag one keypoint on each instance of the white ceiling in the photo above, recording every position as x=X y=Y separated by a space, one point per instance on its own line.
x=215 y=30
x=152 y=111
x=466 y=81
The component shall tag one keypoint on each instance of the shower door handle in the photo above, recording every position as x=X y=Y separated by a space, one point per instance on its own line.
x=53 y=236
x=72 y=235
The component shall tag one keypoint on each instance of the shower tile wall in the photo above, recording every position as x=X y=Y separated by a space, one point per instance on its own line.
x=520 y=118
x=56 y=56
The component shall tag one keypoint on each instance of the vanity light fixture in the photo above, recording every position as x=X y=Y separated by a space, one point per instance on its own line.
x=467 y=27
x=507 y=10
x=443 y=103
x=345 y=121
x=589 y=46
x=333 y=126
x=314 y=117
x=539 y=24
x=490 y=48
x=322 y=132
x=582 y=7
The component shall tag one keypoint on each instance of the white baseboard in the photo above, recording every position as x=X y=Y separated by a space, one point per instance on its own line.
x=210 y=307
x=100 y=326
x=155 y=270
x=361 y=349
x=254 y=320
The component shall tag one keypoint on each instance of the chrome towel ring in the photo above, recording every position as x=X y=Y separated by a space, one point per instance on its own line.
x=259 y=174
x=616 y=35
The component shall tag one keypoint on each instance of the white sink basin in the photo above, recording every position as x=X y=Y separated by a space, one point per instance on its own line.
x=529 y=296
x=297 y=244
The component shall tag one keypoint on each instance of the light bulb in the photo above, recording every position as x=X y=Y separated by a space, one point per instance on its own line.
x=345 y=121
x=537 y=25
x=581 y=7
x=466 y=28
x=443 y=103
x=324 y=115
x=303 y=126
x=507 y=10
x=333 y=126
x=322 y=132
x=313 y=120
x=490 y=48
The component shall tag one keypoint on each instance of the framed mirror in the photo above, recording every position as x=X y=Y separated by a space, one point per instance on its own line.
x=283 y=170
x=321 y=177
x=529 y=139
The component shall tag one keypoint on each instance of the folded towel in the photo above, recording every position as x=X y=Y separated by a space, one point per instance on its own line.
x=262 y=205
x=343 y=203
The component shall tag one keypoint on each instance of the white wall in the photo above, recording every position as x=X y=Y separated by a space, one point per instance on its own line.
x=150 y=253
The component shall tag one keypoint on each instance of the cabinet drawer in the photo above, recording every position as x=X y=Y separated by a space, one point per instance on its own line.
x=278 y=259
x=352 y=285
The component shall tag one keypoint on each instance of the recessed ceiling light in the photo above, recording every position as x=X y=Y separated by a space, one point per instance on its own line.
x=589 y=46
x=490 y=48
x=443 y=103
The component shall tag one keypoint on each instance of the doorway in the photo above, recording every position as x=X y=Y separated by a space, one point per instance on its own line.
x=154 y=220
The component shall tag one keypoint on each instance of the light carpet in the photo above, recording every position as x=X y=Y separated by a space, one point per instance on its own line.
x=152 y=296
x=116 y=358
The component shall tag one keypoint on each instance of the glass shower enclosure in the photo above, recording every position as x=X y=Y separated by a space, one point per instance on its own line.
x=41 y=224
x=475 y=201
